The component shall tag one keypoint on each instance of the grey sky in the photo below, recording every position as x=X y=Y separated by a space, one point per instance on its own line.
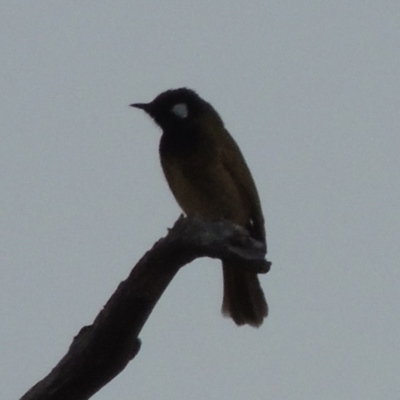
x=311 y=92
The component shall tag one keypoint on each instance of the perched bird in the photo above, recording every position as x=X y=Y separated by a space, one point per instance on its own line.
x=209 y=177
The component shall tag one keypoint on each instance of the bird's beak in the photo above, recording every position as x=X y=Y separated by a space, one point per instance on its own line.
x=143 y=106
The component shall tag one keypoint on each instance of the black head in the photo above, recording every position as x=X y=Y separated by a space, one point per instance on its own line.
x=178 y=109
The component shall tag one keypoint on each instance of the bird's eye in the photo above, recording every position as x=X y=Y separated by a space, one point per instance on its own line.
x=180 y=110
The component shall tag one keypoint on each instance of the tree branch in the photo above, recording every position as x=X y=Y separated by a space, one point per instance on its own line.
x=102 y=350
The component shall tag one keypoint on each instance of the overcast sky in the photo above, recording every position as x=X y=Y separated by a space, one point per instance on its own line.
x=311 y=92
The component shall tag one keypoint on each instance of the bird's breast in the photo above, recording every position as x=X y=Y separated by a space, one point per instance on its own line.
x=200 y=182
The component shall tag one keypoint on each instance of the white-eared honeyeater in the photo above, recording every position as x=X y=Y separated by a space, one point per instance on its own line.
x=209 y=177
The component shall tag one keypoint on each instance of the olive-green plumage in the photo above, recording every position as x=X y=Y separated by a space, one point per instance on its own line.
x=209 y=177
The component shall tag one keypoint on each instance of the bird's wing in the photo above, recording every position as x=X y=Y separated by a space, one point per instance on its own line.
x=236 y=166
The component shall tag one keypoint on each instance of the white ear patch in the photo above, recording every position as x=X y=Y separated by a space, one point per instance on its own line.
x=180 y=110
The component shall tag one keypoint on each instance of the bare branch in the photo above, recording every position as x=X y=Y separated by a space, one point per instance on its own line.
x=102 y=350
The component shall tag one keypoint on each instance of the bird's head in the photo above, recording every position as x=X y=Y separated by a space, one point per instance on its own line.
x=178 y=109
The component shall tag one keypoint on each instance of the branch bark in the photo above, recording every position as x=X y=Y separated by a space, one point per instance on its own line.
x=102 y=350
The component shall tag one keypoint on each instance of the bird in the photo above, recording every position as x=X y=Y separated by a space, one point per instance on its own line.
x=209 y=178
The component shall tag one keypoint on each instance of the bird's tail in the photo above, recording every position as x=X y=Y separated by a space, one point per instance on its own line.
x=244 y=299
